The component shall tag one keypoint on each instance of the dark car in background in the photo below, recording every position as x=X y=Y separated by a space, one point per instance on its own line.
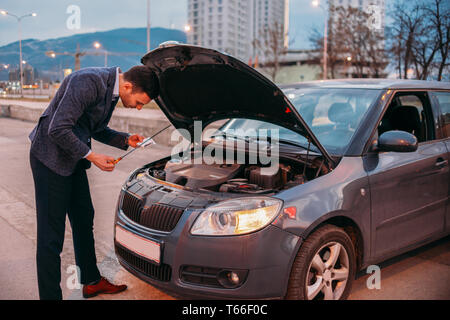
x=363 y=176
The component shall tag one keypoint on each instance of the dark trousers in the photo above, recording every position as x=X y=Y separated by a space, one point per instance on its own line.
x=57 y=196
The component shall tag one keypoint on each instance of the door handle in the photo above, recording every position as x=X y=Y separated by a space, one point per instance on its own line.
x=441 y=163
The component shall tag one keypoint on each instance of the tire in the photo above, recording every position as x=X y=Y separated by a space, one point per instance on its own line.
x=314 y=263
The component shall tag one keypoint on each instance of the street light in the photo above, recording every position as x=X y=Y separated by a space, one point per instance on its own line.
x=19 y=19
x=316 y=3
x=187 y=28
x=148 y=25
x=98 y=45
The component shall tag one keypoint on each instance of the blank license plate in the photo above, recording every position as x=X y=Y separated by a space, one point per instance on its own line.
x=144 y=247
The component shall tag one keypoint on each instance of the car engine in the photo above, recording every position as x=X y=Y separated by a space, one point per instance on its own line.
x=237 y=178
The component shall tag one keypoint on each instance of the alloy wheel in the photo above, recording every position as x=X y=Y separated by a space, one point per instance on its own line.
x=328 y=272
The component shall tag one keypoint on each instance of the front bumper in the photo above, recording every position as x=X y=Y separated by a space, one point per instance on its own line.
x=266 y=256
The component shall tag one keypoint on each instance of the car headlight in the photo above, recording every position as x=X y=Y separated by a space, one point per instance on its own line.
x=237 y=216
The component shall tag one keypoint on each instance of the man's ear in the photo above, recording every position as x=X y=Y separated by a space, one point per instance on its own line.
x=128 y=86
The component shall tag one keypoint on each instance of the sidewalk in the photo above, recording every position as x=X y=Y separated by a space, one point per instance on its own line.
x=18 y=219
x=17 y=252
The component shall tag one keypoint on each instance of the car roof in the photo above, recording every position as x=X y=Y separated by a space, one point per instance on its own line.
x=370 y=84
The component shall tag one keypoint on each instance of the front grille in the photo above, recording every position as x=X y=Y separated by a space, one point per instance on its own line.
x=132 y=206
x=160 y=217
x=200 y=275
x=163 y=272
x=156 y=216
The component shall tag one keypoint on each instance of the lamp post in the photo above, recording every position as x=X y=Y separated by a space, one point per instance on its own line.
x=348 y=65
x=316 y=3
x=148 y=25
x=19 y=19
x=98 y=45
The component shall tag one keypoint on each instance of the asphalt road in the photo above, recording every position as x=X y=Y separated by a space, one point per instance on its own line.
x=420 y=274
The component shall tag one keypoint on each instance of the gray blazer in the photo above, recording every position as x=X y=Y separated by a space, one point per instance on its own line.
x=81 y=109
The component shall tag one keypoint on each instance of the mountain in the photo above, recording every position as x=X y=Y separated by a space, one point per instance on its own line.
x=117 y=41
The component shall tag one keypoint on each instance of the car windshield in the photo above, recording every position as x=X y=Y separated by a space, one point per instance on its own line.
x=332 y=114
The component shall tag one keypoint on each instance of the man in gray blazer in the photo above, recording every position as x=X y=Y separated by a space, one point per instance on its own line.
x=59 y=156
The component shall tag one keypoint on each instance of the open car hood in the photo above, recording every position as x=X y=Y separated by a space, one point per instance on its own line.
x=199 y=84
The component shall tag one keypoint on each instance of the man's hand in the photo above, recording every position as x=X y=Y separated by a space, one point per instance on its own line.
x=103 y=162
x=134 y=139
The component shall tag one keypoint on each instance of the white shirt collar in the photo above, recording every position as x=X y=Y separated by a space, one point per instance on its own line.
x=116 y=84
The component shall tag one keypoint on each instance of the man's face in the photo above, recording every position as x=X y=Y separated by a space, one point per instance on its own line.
x=136 y=99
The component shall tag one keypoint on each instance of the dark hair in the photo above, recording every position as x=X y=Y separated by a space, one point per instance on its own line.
x=143 y=79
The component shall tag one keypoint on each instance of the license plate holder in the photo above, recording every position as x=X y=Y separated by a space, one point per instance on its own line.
x=149 y=249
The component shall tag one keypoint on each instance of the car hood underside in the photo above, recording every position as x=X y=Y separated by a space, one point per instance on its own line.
x=199 y=84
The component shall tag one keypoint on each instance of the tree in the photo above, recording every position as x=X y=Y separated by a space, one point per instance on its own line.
x=439 y=14
x=316 y=39
x=419 y=36
x=395 y=44
x=270 y=45
x=351 y=36
x=351 y=33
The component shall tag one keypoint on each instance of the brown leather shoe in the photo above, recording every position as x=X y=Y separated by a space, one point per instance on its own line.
x=103 y=286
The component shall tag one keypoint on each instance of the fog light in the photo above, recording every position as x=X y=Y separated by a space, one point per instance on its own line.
x=233 y=277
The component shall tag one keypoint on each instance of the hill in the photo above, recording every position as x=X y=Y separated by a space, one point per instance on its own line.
x=124 y=40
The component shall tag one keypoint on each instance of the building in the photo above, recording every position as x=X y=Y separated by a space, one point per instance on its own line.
x=375 y=7
x=267 y=15
x=29 y=75
x=14 y=74
x=231 y=26
x=221 y=25
x=295 y=66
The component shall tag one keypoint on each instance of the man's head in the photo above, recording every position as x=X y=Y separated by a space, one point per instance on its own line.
x=138 y=86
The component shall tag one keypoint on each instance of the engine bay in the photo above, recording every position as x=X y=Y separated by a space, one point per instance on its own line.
x=238 y=178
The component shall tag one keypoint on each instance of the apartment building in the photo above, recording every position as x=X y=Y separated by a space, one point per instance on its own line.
x=231 y=26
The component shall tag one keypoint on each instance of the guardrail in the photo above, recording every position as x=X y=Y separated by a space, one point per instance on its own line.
x=144 y=122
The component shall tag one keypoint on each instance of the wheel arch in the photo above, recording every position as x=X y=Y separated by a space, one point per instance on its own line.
x=349 y=226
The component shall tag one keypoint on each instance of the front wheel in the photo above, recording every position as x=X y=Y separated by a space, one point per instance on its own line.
x=324 y=268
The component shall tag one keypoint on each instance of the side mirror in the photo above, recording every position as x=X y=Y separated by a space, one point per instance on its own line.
x=397 y=141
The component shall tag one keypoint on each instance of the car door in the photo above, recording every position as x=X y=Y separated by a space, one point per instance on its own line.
x=408 y=190
x=441 y=101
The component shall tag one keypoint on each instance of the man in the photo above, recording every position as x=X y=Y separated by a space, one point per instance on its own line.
x=61 y=152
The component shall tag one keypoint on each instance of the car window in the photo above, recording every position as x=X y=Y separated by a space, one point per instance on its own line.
x=410 y=112
x=332 y=114
x=443 y=98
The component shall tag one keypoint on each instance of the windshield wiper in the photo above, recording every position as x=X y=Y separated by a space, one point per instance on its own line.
x=266 y=139
x=292 y=143
x=226 y=135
